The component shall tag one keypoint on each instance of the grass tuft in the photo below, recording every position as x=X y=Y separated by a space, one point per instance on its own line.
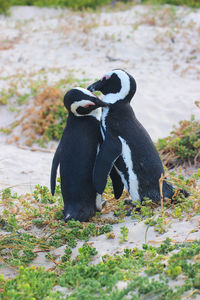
x=183 y=144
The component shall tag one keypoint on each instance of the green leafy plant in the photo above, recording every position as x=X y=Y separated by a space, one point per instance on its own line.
x=77 y=4
x=147 y=272
x=82 y=4
x=191 y=3
x=124 y=234
x=6 y=194
x=182 y=145
x=42 y=193
x=121 y=209
x=4 y=6
x=31 y=283
x=87 y=4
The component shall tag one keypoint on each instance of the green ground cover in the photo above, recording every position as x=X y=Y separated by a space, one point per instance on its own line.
x=85 y=281
x=85 y=4
x=32 y=224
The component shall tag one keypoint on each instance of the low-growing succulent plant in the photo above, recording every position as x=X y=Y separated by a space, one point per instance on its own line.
x=183 y=144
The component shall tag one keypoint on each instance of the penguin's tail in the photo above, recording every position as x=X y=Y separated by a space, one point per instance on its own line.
x=168 y=190
x=172 y=192
x=184 y=193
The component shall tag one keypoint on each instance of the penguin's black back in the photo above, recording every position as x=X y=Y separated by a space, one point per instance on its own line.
x=147 y=165
x=78 y=150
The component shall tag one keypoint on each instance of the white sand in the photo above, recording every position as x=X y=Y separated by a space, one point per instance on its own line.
x=160 y=48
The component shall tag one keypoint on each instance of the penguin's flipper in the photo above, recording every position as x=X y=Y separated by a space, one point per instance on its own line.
x=117 y=183
x=54 y=167
x=109 y=152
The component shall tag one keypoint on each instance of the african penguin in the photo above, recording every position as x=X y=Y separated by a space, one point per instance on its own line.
x=127 y=146
x=76 y=154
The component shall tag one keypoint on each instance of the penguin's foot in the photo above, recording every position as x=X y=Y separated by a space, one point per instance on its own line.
x=179 y=192
x=100 y=203
x=79 y=214
x=68 y=217
x=81 y=218
x=103 y=203
x=184 y=193
x=101 y=206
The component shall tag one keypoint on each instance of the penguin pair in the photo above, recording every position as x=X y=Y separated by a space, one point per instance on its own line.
x=127 y=146
x=123 y=149
x=76 y=155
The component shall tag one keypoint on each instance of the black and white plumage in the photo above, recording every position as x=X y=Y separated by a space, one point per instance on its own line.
x=127 y=145
x=76 y=154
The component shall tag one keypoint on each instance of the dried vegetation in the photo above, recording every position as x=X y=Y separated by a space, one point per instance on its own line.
x=182 y=146
x=46 y=117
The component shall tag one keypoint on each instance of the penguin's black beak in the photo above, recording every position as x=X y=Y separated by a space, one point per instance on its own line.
x=99 y=103
x=90 y=105
x=96 y=86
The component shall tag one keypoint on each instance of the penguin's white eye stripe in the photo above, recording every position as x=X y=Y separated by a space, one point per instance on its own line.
x=86 y=92
x=125 y=88
x=82 y=103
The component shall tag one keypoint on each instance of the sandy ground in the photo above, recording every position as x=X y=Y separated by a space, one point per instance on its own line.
x=160 y=47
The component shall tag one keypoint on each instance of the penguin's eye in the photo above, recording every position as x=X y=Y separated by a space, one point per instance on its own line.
x=89 y=104
x=106 y=77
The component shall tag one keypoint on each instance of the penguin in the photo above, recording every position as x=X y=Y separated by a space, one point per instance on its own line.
x=76 y=154
x=127 y=145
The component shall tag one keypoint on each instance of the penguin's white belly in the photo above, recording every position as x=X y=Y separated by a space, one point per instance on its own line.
x=99 y=200
x=132 y=184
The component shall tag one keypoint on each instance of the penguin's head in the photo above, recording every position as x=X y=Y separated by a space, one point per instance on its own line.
x=82 y=102
x=116 y=85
